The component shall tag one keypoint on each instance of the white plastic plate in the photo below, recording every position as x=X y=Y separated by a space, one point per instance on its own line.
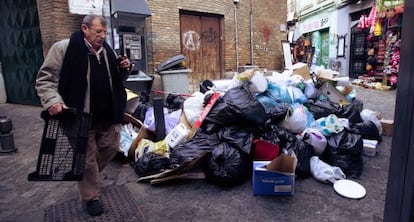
x=349 y=189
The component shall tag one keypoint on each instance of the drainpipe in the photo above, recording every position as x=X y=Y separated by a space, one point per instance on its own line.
x=236 y=35
x=251 y=33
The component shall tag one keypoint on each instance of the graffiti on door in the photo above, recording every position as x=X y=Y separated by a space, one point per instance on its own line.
x=191 y=40
x=210 y=35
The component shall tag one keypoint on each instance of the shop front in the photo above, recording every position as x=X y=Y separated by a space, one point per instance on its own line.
x=381 y=29
x=315 y=41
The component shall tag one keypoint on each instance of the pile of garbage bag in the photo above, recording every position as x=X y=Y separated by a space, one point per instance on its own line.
x=255 y=118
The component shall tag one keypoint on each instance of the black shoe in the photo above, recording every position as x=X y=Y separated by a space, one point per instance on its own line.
x=94 y=208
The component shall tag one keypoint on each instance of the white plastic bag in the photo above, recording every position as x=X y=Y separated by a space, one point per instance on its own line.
x=297 y=122
x=370 y=115
x=314 y=138
x=259 y=82
x=171 y=119
x=324 y=172
x=328 y=125
x=193 y=106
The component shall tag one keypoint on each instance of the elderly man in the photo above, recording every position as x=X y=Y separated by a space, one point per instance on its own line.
x=83 y=72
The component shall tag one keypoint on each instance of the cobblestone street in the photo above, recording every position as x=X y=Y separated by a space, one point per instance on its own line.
x=192 y=200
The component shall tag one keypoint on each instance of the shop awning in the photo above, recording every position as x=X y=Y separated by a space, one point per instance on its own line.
x=139 y=7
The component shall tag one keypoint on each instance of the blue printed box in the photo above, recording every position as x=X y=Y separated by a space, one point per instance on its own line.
x=275 y=177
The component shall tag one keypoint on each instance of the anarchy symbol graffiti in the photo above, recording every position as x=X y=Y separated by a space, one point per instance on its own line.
x=191 y=40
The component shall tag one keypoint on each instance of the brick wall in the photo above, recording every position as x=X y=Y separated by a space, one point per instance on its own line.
x=164 y=33
x=56 y=22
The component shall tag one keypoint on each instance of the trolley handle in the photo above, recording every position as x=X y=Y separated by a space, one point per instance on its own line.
x=66 y=113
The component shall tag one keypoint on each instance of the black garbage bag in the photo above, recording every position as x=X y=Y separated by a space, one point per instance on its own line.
x=321 y=108
x=142 y=106
x=238 y=106
x=277 y=135
x=230 y=150
x=174 y=102
x=194 y=148
x=344 y=150
x=227 y=166
x=238 y=138
x=367 y=129
x=140 y=111
x=279 y=112
x=304 y=152
x=351 y=111
x=151 y=163
x=202 y=142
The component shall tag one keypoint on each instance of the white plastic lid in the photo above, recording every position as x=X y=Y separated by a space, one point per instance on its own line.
x=349 y=189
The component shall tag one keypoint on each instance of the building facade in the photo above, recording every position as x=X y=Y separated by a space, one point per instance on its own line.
x=351 y=37
x=217 y=37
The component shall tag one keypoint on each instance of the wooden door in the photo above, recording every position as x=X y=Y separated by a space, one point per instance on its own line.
x=201 y=43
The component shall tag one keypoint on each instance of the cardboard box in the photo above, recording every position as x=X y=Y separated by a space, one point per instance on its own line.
x=326 y=75
x=369 y=147
x=276 y=177
x=301 y=69
x=387 y=126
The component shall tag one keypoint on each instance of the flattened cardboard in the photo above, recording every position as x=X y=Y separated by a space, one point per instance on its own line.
x=301 y=69
x=333 y=94
x=325 y=74
x=387 y=126
x=185 y=171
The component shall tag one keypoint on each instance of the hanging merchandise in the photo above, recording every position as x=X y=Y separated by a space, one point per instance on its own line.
x=372 y=18
x=399 y=9
x=378 y=28
x=390 y=13
x=362 y=24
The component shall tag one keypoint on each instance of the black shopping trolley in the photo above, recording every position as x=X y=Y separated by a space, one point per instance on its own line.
x=63 y=148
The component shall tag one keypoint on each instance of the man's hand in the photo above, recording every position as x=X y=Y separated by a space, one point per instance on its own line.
x=56 y=108
x=124 y=62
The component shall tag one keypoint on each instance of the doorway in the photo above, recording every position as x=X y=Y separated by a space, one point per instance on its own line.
x=21 y=52
x=201 y=44
x=358 y=54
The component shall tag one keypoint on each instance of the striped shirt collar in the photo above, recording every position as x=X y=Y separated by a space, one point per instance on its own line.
x=92 y=50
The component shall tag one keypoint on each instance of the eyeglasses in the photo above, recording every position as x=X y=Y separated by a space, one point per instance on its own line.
x=98 y=31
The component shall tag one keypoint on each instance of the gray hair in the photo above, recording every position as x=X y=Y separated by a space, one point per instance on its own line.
x=87 y=20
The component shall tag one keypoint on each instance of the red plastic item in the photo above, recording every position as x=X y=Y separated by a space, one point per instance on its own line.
x=263 y=150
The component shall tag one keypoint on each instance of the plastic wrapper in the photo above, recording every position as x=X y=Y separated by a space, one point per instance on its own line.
x=328 y=125
x=314 y=138
x=171 y=119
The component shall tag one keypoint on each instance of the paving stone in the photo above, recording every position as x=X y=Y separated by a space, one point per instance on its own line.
x=193 y=200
